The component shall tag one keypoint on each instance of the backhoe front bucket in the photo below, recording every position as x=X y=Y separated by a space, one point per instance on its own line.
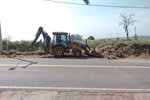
x=92 y=52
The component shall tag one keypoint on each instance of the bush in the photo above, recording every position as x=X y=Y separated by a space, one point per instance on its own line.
x=120 y=44
x=23 y=45
x=139 y=44
x=91 y=38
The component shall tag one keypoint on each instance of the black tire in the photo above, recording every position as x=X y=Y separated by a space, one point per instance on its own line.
x=77 y=53
x=58 y=51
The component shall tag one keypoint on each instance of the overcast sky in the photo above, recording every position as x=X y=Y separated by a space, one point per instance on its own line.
x=20 y=19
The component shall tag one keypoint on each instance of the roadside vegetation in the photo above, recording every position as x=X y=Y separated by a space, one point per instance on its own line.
x=106 y=48
x=23 y=47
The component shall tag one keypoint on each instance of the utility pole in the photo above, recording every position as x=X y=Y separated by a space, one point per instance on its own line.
x=1 y=45
x=135 y=30
x=118 y=37
x=135 y=34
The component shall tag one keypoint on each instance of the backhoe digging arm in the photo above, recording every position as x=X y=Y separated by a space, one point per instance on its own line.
x=46 y=38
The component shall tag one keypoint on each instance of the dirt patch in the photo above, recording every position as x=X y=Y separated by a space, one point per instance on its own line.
x=107 y=52
x=114 y=52
x=16 y=54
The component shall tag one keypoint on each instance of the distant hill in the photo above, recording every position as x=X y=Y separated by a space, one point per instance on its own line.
x=141 y=38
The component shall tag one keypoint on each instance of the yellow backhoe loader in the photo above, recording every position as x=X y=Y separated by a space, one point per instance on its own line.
x=61 y=45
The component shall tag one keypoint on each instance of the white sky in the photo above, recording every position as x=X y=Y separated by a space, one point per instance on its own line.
x=20 y=19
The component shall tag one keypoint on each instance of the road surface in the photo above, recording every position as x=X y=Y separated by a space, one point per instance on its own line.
x=74 y=73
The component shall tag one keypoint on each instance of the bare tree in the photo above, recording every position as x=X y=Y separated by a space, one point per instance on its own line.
x=126 y=21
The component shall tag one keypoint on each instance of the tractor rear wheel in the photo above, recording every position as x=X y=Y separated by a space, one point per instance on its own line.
x=58 y=51
x=77 y=53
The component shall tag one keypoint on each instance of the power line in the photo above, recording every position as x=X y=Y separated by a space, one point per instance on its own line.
x=110 y=6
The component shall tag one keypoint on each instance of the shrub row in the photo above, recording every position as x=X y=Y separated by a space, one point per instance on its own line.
x=25 y=46
x=22 y=46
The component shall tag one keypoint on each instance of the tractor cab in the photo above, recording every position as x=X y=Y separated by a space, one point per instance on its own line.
x=60 y=38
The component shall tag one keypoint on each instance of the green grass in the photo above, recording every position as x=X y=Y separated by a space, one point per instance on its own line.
x=121 y=44
x=24 y=46
x=140 y=44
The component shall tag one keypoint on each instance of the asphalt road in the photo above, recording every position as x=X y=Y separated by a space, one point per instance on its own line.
x=74 y=73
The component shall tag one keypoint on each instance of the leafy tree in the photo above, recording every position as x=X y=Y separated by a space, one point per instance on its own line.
x=91 y=38
x=126 y=21
x=76 y=37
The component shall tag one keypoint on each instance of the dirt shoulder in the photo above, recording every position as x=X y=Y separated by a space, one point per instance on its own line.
x=142 y=57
